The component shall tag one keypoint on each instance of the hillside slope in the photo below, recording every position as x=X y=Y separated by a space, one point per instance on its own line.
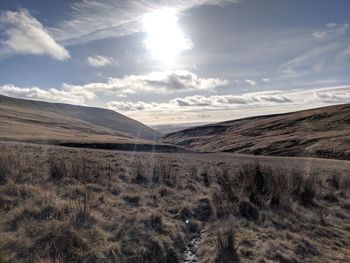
x=322 y=132
x=42 y=120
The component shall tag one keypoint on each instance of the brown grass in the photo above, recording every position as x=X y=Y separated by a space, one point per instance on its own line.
x=9 y=163
x=226 y=245
x=321 y=132
x=67 y=205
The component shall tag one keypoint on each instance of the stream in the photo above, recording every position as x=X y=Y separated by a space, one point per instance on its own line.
x=191 y=251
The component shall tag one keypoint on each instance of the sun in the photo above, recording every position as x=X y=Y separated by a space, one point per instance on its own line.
x=165 y=40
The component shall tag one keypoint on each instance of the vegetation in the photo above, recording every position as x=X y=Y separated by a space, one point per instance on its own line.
x=321 y=132
x=70 y=205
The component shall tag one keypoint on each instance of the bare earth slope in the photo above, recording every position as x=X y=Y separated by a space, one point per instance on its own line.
x=322 y=132
x=26 y=117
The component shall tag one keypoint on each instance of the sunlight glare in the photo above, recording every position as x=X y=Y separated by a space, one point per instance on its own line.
x=164 y=37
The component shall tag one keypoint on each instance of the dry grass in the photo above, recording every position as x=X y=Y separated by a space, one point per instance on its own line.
x=9 y=163
x=321 y=132
x=68 y=205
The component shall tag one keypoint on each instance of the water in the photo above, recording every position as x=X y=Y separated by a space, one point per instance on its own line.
x=191 y=251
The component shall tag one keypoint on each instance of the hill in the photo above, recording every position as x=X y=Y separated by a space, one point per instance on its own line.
x=57 y=123
x=322 y=132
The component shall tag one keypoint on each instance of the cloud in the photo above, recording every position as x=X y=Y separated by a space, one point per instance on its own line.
x=347 y=50
x=312 y=59
x=288 y=71
x=320 y=52
x=99 y=61
x=275 y=98
x=132 y=106
x=266 y=80
x=204 y=116
x=327 y=97
x=319 y=34
x=26 y=35
x=91 y=20
x=66 y=95
x=251 y=82
x=215 y=101
x=195 y=103
x=154 y=82
x=228 y=101
x=331 y=29
x=332 y=95
x=199 y=102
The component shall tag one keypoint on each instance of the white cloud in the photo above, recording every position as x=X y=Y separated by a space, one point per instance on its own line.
x=26 y=35
x=266 y=80
x=204 y=116
x=318 y=58
x=197 y=103
x=288 y=71
x=91 y=20
x=229 y=101
x=133 y=106
x=99 y=61
x=155 y=82
x=251 y=82
x=66 y=95
x=331 y=29
x=331 y=95
x=310 y=57
x=328 y=97
x=216 y=101
x=319 y=34
x=347 y=50
x=322 y=51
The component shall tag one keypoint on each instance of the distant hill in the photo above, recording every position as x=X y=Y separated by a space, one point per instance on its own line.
x=27 y=120
x=322 y=132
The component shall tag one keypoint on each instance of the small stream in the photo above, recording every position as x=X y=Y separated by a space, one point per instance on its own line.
x=191 y=251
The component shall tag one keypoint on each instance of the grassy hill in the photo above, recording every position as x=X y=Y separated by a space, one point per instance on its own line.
x=321 y=132
x=37 y=121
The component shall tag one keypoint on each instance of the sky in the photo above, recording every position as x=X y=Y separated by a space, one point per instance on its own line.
x=181 y=61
